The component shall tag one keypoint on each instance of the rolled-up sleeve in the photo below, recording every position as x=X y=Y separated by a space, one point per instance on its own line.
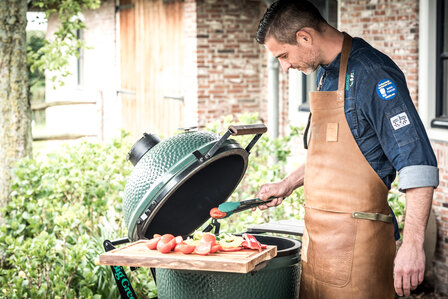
x=392 y=114
x=416 y=176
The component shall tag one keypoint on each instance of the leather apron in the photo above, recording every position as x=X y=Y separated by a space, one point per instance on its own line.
x=348 y=246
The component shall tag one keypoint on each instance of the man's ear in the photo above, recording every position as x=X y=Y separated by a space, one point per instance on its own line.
x=303 y=36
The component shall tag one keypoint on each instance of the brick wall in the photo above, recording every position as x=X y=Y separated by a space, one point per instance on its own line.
x=389 y=26
x=440 y=207
x=229 y=60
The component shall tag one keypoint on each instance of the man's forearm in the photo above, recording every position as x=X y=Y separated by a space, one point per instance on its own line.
x=418 y=206
x=409 y=266
x=296 y=178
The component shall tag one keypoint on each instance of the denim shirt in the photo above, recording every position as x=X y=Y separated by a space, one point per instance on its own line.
x=382 y=117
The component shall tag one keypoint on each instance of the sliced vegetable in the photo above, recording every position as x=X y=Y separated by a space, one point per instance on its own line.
x=209 y=238
x=215 y=248
x=230 y=241
x=152 y=244
x=203 y=248
x=184 y=248
x=166 y=243
x=252 y=243
x=217 y=214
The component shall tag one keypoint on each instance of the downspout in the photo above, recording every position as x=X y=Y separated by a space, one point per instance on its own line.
x=273 y=110
x=273 y=98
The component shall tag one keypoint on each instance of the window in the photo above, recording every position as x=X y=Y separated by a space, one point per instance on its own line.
x=441 y=120
x=329 y=10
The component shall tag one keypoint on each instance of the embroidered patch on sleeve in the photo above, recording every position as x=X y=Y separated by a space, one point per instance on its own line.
x=400 y=120
x=386 y=89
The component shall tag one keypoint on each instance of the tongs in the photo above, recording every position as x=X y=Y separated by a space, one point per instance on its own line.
x=232 y=207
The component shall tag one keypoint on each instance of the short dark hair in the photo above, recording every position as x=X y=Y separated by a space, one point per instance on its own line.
x=284 y=18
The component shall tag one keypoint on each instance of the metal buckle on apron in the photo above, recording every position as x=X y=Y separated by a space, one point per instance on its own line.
x=373 y=216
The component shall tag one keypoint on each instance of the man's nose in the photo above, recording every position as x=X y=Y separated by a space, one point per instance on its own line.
x=285 y=65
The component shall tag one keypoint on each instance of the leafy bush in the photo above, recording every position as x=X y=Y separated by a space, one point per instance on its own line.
x=63 y=206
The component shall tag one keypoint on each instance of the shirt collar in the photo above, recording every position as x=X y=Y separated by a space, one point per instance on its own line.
x=334 y=65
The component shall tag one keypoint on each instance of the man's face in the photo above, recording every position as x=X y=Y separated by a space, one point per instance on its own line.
x=301 y=56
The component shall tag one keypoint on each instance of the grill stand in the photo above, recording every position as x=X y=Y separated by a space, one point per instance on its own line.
x=123 y=283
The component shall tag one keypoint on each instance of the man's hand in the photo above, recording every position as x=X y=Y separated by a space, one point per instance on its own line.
x=281 y=189
x=409 y=268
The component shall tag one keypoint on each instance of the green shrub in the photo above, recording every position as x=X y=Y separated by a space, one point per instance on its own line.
x=63 y=206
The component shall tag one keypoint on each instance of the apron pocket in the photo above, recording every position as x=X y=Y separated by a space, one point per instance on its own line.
x=332 y=239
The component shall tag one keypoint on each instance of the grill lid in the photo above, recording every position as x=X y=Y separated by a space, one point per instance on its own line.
x=176 y=182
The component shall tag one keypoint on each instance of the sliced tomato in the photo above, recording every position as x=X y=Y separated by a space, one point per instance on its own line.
x=203 y=248
x=163 y=247
x=231 y=248
x=215 y=248
x=217 y=214
x=152 y=244
x=166 y=244
x=209 y=238
x=167 y=237
x=184 y=248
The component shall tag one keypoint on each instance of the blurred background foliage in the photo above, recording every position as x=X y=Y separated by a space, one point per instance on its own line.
x=35 y=40
x=66 y=203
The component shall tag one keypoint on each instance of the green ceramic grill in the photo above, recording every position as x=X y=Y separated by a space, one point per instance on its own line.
x=172 y=188
x=176 y=182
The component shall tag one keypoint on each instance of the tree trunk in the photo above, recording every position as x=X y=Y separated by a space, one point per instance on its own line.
x=15 y=112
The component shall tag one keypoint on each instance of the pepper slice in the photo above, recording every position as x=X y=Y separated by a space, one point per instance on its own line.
x=252 y=243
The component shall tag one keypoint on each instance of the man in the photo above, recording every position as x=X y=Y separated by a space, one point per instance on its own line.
x=363 y=128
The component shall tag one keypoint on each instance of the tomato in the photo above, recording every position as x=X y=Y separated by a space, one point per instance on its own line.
x=215 y=248
x=166 y=238
x=156 y=236
x=209 y=238
x=231 y=248
x=184 y=248
x=217 y=214
x=203 y=248
x=152 y=244
x=166 y=243
x=163 y=247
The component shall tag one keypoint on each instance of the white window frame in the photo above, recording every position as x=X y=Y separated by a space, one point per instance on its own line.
x=427 y=68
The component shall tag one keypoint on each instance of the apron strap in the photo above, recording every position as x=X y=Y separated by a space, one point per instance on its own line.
x=373 y=216
x=305 y=133
x=345 y=53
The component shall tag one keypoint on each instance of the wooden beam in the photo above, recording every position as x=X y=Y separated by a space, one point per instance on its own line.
x=45 y=105
x=66 y=136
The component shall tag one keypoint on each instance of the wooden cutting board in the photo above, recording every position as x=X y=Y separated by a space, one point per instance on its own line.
x=137 y=254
